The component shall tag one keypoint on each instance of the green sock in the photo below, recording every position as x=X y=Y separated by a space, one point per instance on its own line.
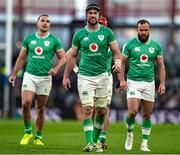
x=98 y=125
x=102 y=137
x=130 y=123
x=146 y=129
x=88 y=130
x=27 y=127
x=38 y=135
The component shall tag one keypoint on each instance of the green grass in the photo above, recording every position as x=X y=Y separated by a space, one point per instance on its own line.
x=67 y=137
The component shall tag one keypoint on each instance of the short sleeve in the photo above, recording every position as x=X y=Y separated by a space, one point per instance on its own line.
x=111 y=36
x=75 y=41
x=159 y=50
x=58 y=45
x=125 y=50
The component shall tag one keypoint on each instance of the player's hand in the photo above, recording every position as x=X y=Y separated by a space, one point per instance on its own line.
x=12 y=79
x=161 y=89
x=117 y=87
x=123 y=85
x=66 y=83
x=52 y=72
x=116 y=68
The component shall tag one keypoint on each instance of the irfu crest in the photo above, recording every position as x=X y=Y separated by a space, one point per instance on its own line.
x=101 y=37
x=151 y=50
x=46 y=43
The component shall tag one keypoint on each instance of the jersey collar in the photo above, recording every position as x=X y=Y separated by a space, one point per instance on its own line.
x=42 y=37
x=99 y=26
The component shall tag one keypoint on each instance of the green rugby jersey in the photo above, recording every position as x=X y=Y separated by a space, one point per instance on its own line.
x=93 y=47
x=142 y=59
x=41 y=51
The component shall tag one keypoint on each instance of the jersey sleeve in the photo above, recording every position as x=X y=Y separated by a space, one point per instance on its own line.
x=75 y=41
x=159 y=50
x=25 y=43
x=125 y=50
x=58 y=45
x=111 y=36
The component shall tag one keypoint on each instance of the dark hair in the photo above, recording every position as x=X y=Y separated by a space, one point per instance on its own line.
x=42 y=15
x=94 y=7
x=143 y=21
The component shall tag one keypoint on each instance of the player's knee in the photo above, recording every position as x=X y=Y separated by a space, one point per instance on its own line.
x=26 y=105
x=87 y=111
x=132 y=113
x=41 y=110
x=101 y=111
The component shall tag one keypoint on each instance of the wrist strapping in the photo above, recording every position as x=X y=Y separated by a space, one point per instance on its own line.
x=75 y=69
x=118 y=62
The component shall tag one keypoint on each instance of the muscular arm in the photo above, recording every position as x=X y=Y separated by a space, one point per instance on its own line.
x=62 y=60
x=71 y=61
x=116 y=56
x=75 y=68
x=123 y=84
x=123 y=63
x=18 y=65
x=115 y=49
x=162 y=74
x=20 y=61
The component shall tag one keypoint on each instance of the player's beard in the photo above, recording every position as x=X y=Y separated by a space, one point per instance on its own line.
x=92 y=23
x=143 y=38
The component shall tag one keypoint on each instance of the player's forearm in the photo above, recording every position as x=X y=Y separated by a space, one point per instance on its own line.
x=116 y=51
x=162 y=74
x=117 y=56
x=71 y=61
x=18 y=65
x=121 y=75
x=60 y=63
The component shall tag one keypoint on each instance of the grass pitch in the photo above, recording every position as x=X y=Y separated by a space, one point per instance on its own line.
x=67 y=137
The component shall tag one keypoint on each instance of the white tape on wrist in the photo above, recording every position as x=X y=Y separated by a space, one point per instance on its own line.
x=75 y=69
x=118 y=62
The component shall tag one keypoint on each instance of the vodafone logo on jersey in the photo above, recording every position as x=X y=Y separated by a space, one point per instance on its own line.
x=93 y=47
x=38 y=50
x=144 y=58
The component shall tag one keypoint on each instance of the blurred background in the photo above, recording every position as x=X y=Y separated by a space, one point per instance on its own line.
x=18 y=19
